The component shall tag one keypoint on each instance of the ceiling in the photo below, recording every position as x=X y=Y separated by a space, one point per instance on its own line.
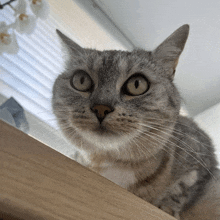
x=147 y=23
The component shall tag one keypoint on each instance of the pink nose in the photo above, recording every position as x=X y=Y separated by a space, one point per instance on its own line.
x=101 y=111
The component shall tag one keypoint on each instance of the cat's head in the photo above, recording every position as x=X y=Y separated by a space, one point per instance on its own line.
x=114 y=100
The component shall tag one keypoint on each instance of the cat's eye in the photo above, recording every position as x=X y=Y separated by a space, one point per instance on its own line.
x=81 y=81
x=136 y=85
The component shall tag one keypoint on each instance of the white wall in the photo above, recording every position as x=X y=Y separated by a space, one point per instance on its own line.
x=209 y=121
x=74 y=19
x=148 y=23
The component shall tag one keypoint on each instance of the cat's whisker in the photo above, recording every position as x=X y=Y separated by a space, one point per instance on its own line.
x=142 y=150
x=51 y=119
x=185 y=144
x=201 y=162
x=130 y=152
x=149 y=152
x=175 y=138
x=161 y=131
x=202 y=144
x=149 y=134
x=166 y=133
x=178 y=132
x=46 y=111
x=175 y=122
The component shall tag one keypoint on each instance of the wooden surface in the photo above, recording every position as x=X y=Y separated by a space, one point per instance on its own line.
x=37 y=182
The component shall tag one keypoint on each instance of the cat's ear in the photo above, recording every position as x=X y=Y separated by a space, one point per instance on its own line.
x=167 y=53
x=69 y=44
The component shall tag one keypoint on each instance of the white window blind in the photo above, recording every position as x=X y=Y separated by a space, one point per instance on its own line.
x=29 y=75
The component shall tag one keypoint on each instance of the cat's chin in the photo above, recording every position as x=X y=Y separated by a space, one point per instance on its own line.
x=104 y=131
x=104 y=138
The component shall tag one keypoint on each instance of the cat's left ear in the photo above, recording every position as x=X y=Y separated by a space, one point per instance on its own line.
x=69 y=44
x=167 y=54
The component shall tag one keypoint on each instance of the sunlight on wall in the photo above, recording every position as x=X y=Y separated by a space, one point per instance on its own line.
x=76 y=22
x=209 y=121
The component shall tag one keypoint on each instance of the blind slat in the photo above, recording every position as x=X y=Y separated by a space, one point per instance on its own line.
x=48 y=36
x=29 y=82
x=31 y=106
x=26 y=91
x=18 y=67
x=39 y=52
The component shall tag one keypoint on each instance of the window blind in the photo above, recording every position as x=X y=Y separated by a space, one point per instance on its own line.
x=28 y=76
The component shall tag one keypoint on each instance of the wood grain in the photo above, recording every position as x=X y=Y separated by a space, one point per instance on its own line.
x=37 y=182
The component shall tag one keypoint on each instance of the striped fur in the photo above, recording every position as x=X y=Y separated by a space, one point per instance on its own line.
x=141 y=143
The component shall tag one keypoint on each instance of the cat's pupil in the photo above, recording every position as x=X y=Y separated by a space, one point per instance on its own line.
x=136 y=84
x=82 y=80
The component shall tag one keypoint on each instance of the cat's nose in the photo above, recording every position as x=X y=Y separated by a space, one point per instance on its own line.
x=101 y=111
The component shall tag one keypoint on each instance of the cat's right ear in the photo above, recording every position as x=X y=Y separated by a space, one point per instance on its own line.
x=69 y=44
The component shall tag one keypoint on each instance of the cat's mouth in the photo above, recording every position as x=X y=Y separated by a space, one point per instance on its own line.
x=104 y=137
x=103 y=130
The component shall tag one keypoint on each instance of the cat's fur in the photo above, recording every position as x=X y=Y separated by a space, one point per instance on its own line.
x=141 y=142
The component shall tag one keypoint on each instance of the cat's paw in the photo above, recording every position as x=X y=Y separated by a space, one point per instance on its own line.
x=176 y=215
x=170 y=211
x=172 y=204
x=80 y=158
x=177 y=195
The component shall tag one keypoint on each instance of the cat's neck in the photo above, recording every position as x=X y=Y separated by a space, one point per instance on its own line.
x=125 y=173
x=148 y=166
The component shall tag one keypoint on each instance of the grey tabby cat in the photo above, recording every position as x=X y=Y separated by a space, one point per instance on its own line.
x=122 y=109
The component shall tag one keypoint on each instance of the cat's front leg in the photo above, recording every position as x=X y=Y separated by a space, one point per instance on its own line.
x=87 y=160
x=177 y=195
x=170 y=211
x=81 y=158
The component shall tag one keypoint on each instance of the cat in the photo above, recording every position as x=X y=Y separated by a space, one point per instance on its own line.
x=121 y=109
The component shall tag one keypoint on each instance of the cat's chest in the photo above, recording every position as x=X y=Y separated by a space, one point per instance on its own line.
x=121 y=176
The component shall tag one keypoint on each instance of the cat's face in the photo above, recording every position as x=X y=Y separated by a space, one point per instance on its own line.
x=116 y=99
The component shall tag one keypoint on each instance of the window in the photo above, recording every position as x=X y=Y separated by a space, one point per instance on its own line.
x=29 y=75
